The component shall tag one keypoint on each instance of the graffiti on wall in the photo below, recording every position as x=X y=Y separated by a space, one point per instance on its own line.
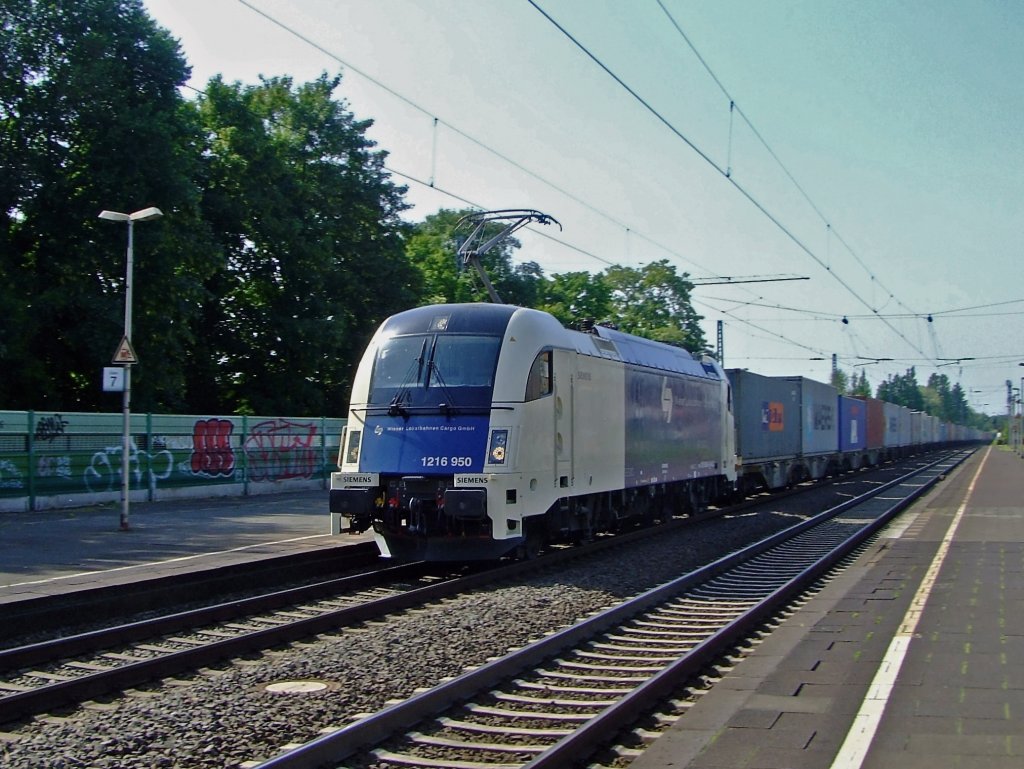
x=81 y=454
x=54 y=467
x=279 y=450
x=10 y=476
x=104 y=470
x=50 y=428
x=212 y=455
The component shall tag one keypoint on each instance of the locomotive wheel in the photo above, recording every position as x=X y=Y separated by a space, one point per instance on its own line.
x=533 y=543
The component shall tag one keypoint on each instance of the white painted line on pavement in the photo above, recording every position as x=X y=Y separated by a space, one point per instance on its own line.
x=862 y=732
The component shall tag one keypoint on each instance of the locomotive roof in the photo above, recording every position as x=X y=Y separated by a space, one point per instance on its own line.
x=484 y=318
x=478 y=318
x=646 y=352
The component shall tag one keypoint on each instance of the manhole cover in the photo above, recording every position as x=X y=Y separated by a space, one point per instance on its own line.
x=296 y=687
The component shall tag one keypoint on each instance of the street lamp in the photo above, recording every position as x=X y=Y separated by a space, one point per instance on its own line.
x=143 y=215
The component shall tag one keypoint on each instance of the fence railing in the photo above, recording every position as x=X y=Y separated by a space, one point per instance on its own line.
x=52 y=460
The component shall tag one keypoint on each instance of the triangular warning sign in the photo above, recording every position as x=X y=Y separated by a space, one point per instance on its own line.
x=125 y=353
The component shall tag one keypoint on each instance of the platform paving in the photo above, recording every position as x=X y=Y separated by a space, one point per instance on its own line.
x=957 y=699
x=56 y=551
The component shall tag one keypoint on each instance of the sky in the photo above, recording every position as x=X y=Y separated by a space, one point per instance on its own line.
x=873 y=149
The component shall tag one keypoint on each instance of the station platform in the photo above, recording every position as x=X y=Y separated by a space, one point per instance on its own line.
x=56 y=552
x=913 y=657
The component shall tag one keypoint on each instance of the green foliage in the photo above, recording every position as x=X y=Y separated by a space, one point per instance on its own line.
x=840 y=381
x=91 y=119
x=903 y=390
x=311 y=245
x=948 y=403
x=654 y=302
x=574 y=296
x=860 y=385
x=938 y=398
x=280 y=250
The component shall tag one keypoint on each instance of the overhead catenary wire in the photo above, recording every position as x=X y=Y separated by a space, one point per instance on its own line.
x=722 y=171
x=733 y=106
x=438 y=122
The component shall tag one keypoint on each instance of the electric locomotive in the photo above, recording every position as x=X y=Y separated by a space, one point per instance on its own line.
x=477 y=431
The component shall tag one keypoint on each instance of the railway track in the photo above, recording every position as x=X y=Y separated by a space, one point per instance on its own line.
x=44 y=676
x=86 y=609
x=561 y=698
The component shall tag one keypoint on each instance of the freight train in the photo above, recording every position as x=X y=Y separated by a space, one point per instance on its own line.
x=478 y=431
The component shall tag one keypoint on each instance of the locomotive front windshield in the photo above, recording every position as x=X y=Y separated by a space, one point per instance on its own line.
x=432 y=370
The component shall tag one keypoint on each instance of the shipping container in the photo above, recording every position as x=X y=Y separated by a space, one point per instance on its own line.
x=930 y=433
x=875 y=422
x=916 y=427
x=767 y=416
x=819 y=403
x=853 y=424
x=905 y=428
x=891 y=414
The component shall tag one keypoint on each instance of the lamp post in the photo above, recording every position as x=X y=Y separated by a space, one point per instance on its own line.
x=143 y=215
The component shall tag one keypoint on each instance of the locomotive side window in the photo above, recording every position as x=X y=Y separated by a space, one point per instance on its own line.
x=538 y=384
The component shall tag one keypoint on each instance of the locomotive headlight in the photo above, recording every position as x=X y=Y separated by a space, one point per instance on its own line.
x=341 y=446
x=498 y=447
x=352 y=454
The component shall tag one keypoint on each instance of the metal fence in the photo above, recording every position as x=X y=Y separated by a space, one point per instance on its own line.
x=52 y=460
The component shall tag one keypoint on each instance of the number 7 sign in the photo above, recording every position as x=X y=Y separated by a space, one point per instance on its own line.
x=113 y=379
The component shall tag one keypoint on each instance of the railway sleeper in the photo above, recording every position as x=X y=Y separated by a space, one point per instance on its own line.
x=526 y=731
x=502 y=747
x=572 y=689
x=406 y=760
x=488 y=710
x=551 y=701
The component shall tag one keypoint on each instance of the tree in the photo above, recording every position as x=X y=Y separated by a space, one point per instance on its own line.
x=654 y=302
x=840 y=381
x=308 y=226
x=861 y=385
x=91 y=119
x=903 y=390
x=949 y=403
x=573 y=297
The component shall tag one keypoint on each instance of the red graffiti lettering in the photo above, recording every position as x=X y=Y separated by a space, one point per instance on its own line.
x=277 y=450
x=211 y=447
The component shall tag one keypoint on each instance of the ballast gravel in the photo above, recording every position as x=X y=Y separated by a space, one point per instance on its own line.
x=222 y=718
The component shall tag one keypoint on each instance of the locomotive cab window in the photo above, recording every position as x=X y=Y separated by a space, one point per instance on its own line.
x=422 y=370
x=539 y=382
